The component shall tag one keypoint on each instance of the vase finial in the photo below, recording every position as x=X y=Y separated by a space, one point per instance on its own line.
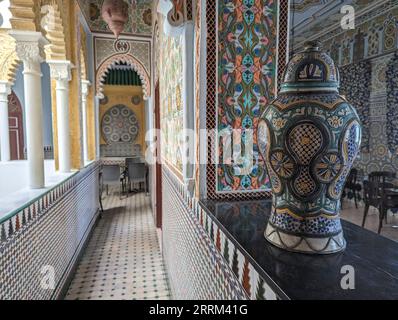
x=313 y=45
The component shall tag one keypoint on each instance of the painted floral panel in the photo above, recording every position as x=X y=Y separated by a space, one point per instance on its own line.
x=171 y=100
x=247 y=41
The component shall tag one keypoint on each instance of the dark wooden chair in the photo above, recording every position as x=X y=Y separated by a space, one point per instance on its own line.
x=382 y=176
x=389 y=201
x=352 y=186
x=371 y=197
x=380 y=195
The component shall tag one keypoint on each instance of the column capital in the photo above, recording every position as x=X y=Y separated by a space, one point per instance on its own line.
x=85 y=87
x=29 y=46
x=5 y=90
x=60 y=69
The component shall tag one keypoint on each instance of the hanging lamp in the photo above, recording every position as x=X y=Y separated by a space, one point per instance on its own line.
x=115 y=14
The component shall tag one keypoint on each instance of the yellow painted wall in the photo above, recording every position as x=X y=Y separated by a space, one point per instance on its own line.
x=123 y=95
x=91 y=124
x=71 y=14
x=75 y=92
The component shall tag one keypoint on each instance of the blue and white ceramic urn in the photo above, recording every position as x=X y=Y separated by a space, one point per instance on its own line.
x=309 y=137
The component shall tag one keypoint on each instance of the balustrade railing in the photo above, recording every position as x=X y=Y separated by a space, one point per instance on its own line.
x=41 y=242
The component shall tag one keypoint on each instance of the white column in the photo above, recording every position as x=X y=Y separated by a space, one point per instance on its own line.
x=5 y=90
x=30 y=49
x=85 y=88
x=61 y=73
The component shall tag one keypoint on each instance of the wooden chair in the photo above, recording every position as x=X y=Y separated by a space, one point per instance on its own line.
x=389 y=200
x=352 y=186
x=371 y=197
x=378 y=194
x=382 y=176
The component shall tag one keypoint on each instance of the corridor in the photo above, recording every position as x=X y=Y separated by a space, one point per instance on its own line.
x=122 y=260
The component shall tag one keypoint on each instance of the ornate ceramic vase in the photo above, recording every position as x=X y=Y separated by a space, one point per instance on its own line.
x=309 y=138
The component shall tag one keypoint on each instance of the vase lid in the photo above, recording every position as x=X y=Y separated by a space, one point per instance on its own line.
x=311 y=70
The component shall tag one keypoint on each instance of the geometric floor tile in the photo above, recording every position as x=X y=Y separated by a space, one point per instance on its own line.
x=122 y=260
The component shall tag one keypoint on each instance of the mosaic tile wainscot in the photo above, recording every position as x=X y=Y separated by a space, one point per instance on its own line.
x=201 y=261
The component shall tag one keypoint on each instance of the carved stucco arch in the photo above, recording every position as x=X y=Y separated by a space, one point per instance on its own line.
x=52 y=26
x=125 y=58
x=45 y=16
x=9 y=61
x=32 y=15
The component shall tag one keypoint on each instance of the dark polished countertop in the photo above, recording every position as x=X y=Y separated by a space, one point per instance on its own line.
x=299 y=276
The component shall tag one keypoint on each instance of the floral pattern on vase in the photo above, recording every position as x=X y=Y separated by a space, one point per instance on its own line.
x=309 y=137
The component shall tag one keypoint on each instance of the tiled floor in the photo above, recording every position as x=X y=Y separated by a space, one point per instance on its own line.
x=350 y=213
x=123 y=260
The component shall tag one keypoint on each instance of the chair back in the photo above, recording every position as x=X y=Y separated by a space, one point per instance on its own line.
x=133 y=160
x=352 y=178
x=111 y=174
x=371 y=193
x=137 y=171
x=382 y=176
x=375 y=193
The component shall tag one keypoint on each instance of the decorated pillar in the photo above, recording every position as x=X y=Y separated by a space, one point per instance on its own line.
x=97 y=128
x=85 y=89
x=61 y=73
x=5 y=90
x=188 y=100
x=30 y=50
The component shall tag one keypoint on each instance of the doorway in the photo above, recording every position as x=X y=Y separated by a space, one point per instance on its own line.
x=15 y=120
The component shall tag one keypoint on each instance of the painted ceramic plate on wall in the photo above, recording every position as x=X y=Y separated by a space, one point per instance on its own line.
x=120 y=124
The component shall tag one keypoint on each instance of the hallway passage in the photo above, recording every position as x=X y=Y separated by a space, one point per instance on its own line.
x=123 y=259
